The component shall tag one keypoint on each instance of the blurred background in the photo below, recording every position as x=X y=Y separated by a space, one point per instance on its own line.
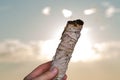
x=30 y=31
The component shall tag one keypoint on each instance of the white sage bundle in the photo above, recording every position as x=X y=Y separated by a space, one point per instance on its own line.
x=65 y=49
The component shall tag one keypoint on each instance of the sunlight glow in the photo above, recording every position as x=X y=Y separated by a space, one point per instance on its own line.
x=48 y=48
x=82 y=52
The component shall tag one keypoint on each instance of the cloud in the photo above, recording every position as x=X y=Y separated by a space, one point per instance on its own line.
x=108 y=50
x=16 y=51
x=111 y=10
x=90 y=11
x=107 y=68
x=67 y=13
x=46 y=11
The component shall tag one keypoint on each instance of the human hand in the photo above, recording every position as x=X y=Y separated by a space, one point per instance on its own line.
x=42 y=72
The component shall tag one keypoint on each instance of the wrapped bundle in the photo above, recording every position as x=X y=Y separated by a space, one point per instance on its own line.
x=65 y=49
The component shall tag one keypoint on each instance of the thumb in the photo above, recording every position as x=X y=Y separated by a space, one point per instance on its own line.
x=48 y=75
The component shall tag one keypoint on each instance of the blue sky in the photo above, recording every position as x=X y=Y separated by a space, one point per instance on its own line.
x=32 y=28
x=22 y=19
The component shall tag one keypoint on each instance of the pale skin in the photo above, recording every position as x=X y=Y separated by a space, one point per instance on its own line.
x=42 y=72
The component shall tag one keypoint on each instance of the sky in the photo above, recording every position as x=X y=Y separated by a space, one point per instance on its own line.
x=30 y=32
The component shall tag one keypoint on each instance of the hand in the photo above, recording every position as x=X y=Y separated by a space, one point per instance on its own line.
x=42 y=72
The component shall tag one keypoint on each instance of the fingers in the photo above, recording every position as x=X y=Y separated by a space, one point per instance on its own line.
x=49 y=75
x=65 y=77
x=42 y=72
x=39 y=70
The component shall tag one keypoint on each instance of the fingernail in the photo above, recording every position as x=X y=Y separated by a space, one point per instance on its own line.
x=27 y=78
x=54 y=70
